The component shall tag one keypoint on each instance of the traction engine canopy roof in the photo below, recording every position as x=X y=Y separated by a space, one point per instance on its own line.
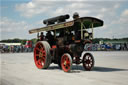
x=87 y=22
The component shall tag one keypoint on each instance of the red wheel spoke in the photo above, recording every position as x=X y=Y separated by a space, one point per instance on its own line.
x=65 y=58
x=43 y=51
x=38 y=49
x=40 y=46
x=38 y=61
x=68 y=62
x=43 y=59
x=37 y=54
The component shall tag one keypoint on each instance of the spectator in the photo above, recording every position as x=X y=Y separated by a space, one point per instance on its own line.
x=41 y=37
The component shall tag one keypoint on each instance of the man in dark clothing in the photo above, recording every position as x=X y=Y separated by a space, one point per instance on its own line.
x=50 y=38
x=76 y=26
x=42 y=36
x=75 y=15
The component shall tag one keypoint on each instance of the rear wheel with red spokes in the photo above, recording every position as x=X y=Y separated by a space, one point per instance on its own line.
x=88 y=61
x=66 y=62
x=42 y=55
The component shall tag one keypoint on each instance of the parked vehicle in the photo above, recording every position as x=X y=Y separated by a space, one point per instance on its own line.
x=28 y=46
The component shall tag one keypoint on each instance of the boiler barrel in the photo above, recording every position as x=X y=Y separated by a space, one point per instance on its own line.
x=55 y=19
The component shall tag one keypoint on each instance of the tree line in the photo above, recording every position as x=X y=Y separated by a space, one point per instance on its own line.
x=96 y=40
x=17 y=40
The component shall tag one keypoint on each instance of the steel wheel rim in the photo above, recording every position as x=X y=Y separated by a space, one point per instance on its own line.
x=88 y=62
x=65 y=63
x=39 y=55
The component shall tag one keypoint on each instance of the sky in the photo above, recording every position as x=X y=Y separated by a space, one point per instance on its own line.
x=17 y=17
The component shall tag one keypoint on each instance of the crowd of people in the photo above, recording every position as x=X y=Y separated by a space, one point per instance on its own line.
x=87 y=47
x=14 y=49
x=107 y=47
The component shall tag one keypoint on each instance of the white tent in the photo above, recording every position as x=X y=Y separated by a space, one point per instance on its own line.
x=10 y=43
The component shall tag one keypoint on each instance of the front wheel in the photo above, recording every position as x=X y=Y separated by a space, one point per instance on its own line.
x=66 y=62
x=42 y=56
x=88 y=61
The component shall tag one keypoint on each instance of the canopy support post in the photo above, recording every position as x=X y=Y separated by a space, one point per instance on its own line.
x=81 y=30
x=38 y=35
x=92 y=31
x=54 y=33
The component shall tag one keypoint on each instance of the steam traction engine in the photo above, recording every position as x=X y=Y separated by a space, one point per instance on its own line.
x=65 y=44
